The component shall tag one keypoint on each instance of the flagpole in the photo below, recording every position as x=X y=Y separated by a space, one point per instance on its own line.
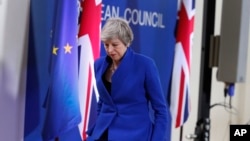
x=203 y=117
x=181 y=132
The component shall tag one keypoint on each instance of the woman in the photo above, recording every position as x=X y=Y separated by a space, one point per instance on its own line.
x=127 y=82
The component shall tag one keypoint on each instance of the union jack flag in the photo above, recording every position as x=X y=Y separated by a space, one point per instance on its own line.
x=89 y=49
x=180 y=96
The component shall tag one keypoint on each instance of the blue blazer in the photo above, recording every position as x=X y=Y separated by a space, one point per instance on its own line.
x=125 y=112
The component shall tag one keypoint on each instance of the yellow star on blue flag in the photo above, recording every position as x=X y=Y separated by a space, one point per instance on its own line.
x=62 y=104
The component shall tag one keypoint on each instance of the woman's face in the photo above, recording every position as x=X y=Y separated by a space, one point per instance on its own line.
x=115 y=49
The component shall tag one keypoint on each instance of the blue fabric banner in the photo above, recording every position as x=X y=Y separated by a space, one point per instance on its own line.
x=62 y=103
x=52 y=108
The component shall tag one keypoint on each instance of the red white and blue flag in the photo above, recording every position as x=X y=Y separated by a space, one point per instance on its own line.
x=180 y=95
x=89 y=50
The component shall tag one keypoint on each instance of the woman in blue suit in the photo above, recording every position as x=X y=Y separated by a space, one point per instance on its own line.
x=128 y=84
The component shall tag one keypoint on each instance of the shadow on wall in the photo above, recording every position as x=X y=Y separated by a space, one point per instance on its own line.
x=13 y=69
x=9 y=103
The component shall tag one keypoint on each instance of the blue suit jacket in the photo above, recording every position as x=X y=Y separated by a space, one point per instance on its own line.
x=125 y=112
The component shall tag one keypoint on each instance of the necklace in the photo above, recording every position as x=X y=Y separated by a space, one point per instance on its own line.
x=113 y=68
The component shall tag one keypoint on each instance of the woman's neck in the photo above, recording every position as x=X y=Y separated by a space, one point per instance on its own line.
x=115 y=64
x=114 y=67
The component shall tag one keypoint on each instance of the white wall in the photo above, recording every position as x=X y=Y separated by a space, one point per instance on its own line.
x=13 y=54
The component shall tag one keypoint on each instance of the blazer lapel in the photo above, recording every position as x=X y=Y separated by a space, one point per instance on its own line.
x=122 y=71
x=103 y=89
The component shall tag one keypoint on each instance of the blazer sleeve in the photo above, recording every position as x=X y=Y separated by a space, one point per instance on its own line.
x=158 y=102
x=97 y=66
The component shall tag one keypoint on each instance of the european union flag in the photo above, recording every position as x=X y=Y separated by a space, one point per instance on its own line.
x=62 y=104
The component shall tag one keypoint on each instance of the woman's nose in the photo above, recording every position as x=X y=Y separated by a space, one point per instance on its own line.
x=110 y=49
